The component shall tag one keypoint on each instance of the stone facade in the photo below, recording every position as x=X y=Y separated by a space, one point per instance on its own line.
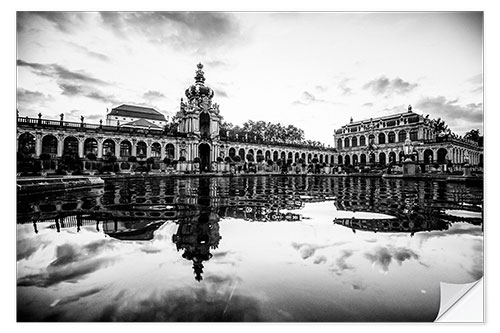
x=198 y=136
x=380 y=141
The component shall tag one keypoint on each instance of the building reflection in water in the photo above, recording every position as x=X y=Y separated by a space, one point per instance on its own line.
x=197 y=236
x=133 y=210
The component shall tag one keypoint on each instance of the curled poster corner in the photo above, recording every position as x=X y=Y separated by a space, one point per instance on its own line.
x=461 y=302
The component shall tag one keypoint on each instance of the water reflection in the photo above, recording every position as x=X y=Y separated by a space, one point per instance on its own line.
x=269 y=242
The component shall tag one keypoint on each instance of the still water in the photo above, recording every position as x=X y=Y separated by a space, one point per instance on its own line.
x=247 y=249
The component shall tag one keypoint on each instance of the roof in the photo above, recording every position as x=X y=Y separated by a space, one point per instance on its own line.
x=388 y=117
x=135 y=111
x=141 y=123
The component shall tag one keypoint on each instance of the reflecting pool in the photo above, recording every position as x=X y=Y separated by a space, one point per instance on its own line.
x=247 y=249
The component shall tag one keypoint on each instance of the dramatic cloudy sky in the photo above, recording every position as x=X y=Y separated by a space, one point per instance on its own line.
x=313 y=70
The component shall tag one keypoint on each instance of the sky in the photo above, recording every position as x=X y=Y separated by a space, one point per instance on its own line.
x=312 y=70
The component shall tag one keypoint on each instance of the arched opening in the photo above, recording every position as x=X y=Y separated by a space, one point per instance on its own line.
x=250 y=151
x=355 y=142
x=362 y=159
x=204 y=154
x=355 y=159
x=381 y=138
x=320 y=158
x=70 y=146
x=362 y=141
x=392 y=157
x=108 y=147
x=428 y=156
x=268 y=155
x=326 y=159
x=156 y=150
x=275 y=156
x=381 y=158
x=296 y=157
x=402 y=136
x=441 y=155
x=27 y=144
x=339 y=160
x=347 y=160
x=259 y=152
x=204 y=125
x=481 y=160
x=309 y=158
x=339 y=143
x=141 y=149
x=303 y=156
x=371 y=139
x=125 y=148
x=401 y=156
x=49 y=145
x=90 y=147
x=232 y=153
x=170 y=151
x=241 y=154
x=290 y=156
x=371 y=158
x=392 y=137
x=346 y=142
x=283 y=156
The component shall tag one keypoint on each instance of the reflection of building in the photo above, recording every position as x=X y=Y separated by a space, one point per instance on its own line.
x=197 y=236
x=411 y=225
x=380 y=140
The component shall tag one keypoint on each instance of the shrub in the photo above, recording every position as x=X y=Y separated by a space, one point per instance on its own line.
x=220 y=159
x=196 y=160
x=167 y=161
x=270 y=162
x=260 y=158
x=228 y=159
x=237 y=158
x=150 y=160
x=132 y=159
x=250 y=158
x=182 y=159
x=315 y=160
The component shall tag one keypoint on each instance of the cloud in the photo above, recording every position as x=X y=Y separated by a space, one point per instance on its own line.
x=153 y=94
x=386 y=86
x=216 y=63
x=383 y=256
x=452 y=112
x=340 y=263
x=63 y=21
x=368 y=104
x=342 y=86
x=321 y=89
x=476 y=79
x=198 y=30
x=220 y=93
x=90 y=53
x=69 y=89
x=31 y=97
x=72 y=263
x=308 y=98
x=58 y=72
x=76 y=297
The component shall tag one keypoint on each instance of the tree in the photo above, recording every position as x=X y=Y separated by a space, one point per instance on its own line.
x=473 y=135
x=439 y=126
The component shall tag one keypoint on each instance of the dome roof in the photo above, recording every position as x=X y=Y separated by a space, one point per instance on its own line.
x=199 y=89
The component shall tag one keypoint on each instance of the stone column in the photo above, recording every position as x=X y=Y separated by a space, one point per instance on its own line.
x=99 y=147
x=148 y=148
x=163 y=146
x=38 y=150
x=80 y=147
x=60 y=146
x=117 y=148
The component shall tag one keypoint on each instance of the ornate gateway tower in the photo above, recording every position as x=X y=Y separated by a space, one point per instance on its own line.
x=199 y=118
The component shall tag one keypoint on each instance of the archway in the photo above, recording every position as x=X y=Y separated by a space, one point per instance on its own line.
x=381 y=138
x=108 y=147
x=268 y=155
x=428 y=156
x=141 y=149
x=204 y=154
x=381 y=158
x=204 y=125
x=339 y=160
x=347 y=160
x=372 y=158
x=392 y=137
x=441 y=158
x=156 y=150
x=125 y=148
x=232 y=153
x=354 y=141
x=170 y=151
x=402 y=136
x=362 y=159
x=241 y=153
x=354 y=159
x=392 y=157
x=49 y=145
x=275 y=156
x=70 y=146
x=26 y=144
x=90 y=147
x=339 y=143
x=362 y=141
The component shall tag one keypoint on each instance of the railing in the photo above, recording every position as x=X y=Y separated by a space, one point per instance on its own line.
x=86 y=126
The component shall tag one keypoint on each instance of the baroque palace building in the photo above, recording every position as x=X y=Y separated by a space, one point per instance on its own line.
x=380 y=140
x=197 y=136
x=141 y=132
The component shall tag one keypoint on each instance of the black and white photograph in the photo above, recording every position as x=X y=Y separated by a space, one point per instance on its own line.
x=253 y=166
